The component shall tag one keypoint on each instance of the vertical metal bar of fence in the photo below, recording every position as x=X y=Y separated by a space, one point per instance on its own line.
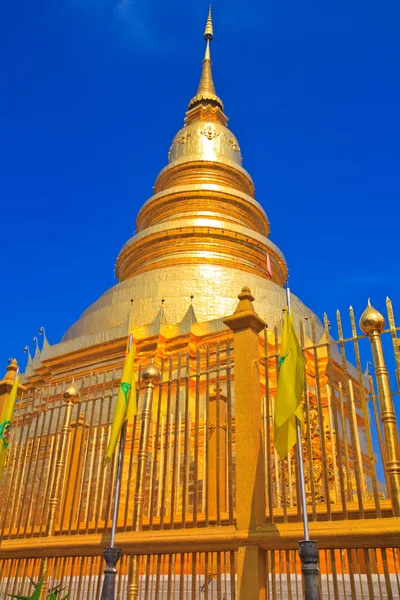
x=71 y=396
x=151 y=376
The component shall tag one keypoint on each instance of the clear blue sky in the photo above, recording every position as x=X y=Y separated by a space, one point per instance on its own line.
x=93 y=92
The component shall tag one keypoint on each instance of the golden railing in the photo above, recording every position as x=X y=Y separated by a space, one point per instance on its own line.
x=199 y=574
x=343 y=438
x=190 y=444
x=211 y=575
x=221 y=512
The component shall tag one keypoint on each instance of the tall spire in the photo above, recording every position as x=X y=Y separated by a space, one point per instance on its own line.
x=206 y=90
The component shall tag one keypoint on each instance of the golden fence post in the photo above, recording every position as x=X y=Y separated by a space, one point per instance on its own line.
x=217 y=455
x=150 y=376
x=250 y=476
x=71 y=396
x=372 y=323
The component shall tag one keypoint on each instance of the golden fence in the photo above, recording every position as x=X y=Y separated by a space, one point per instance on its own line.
x=341 y=412
x=219 y=511
x=208 y=575
x=190 y=439
x=211 y=575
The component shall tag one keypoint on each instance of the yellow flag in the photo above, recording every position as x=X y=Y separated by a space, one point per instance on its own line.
x=126 y=402
x=290 y=389
x=6 y=424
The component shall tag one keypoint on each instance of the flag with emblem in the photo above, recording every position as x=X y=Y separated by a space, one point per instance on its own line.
x=126 y=402
x=6 y=424
x=289 y=391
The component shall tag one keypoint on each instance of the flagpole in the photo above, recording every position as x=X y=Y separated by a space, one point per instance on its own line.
x=300 y=457
x=112 y=554
x=308 y=549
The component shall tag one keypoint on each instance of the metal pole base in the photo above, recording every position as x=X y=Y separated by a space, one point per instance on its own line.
x=111 y=556
x=308 y=551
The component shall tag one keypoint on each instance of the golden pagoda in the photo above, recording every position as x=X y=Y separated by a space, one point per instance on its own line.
x=207 y=507
x=202 y=233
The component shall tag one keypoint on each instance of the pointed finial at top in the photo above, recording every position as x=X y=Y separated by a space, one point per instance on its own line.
x=209 y=32
x=245 y=317
x=246 y=300
x=206 y=90
x=12 y=369
x=9 y=378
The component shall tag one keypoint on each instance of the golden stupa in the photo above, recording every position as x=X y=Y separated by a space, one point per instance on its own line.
x=201 y=234
x=207 y=509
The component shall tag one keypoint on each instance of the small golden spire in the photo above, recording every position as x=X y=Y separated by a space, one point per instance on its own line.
x=208 y=32
x=206 y=89
x=10 y=375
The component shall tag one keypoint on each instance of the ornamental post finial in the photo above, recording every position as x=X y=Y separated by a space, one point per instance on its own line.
x=245 y=317
x=371 y=320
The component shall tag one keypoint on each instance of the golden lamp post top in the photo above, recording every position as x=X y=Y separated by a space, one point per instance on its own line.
x=371 y=320
x=71 y=394
x=151 y=374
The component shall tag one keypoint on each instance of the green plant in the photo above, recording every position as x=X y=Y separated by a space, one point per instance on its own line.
x=53 y=594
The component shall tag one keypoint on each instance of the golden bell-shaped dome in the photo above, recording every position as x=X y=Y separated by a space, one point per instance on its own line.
x=205 y=140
